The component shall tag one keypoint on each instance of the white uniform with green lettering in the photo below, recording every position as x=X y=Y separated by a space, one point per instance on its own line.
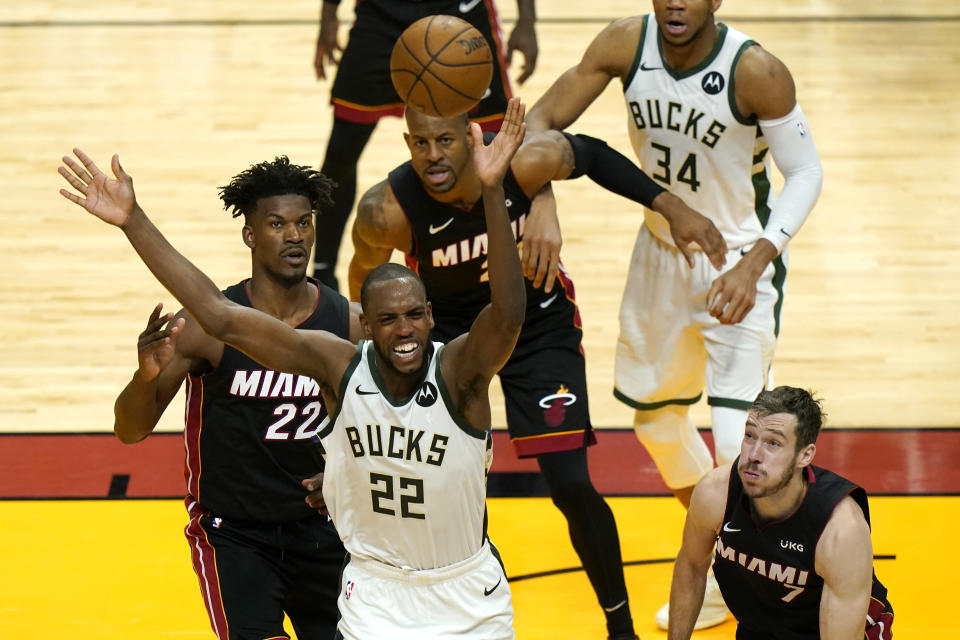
x=405 y=485
x=688 y=134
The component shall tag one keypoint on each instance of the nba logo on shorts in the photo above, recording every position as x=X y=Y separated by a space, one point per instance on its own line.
x=802 y=130
x=349 y=590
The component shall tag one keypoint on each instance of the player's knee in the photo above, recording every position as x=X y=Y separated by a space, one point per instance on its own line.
x=728 y=427
x=572 y=496
x=671 y=439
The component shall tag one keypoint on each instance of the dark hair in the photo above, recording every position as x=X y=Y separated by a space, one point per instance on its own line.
x=277 y=178
x=384 y=272
x=799 y=403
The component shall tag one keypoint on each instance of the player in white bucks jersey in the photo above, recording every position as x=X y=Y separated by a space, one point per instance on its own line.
x=706 y=107
x=412 y=577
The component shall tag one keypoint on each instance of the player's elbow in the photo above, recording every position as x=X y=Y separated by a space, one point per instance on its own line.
x=127 y=433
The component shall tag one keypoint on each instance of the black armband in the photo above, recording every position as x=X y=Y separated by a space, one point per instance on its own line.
x=611 y=169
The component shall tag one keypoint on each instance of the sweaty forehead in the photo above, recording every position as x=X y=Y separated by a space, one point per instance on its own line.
x=422 y=125
x=396 y=295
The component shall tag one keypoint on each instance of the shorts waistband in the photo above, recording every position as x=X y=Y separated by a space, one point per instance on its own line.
x=423 y=576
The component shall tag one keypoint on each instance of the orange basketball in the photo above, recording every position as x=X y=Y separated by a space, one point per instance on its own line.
x=441 y=66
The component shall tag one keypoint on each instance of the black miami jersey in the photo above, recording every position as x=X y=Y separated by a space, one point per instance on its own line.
x=766 y=573
x=449 y=252
x=249 y=430
x=544 y=381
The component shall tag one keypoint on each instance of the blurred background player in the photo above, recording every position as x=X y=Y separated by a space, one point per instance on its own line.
x=707 y=107
x=258 y=550
x=362 y=92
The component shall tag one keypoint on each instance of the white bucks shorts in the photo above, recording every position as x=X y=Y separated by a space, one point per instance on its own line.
x=669 y=346
x=469 y=599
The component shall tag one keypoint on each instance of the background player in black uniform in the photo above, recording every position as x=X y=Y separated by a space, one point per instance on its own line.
x=793 y=558
x=362 y=92
x=429 y=209
x=258 y=549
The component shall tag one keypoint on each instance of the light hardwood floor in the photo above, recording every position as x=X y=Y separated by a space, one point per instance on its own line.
x=873 y=294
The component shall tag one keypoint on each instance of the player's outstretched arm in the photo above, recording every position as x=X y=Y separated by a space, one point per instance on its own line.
x=608 y=56
x=264 y=338
x=704 y=518
x=844 y=559
x=475 y=357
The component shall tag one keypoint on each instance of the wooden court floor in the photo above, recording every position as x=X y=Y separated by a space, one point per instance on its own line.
x=191 y=93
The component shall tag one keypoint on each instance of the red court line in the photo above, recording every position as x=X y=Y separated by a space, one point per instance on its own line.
x=82 y=465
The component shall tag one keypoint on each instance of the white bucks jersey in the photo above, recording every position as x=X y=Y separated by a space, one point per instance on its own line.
x=689 y=136
x=405 y=482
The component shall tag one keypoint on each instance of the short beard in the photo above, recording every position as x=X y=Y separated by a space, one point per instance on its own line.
x=781 y=484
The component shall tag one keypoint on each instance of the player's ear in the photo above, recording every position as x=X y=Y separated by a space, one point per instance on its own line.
x=430 y=315
x=806 y=455
x=365 y=331
x=248 y=239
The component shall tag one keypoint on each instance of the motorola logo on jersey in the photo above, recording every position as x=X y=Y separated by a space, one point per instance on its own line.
x=554 y=406
x=712 y=83
x=427 y=395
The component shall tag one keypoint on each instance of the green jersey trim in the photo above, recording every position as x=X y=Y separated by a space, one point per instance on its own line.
x=732 y=91
x=650 y=406
x=636 y=58
x=455 y=414
x=342 y=392
x=729 y=403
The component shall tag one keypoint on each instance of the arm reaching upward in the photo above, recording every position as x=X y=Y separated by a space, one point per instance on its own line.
x=274 y=343
x=471 y=360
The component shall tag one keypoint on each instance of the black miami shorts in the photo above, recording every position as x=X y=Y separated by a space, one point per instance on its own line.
x=544 y=382
x=251 y=574
x=362 y=91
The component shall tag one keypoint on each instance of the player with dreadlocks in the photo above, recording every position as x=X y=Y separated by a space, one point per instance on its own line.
x=258 y=549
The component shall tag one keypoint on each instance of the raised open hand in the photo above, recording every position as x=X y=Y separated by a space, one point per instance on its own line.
x=158 y=343
x=491 y=161
x=111 y=200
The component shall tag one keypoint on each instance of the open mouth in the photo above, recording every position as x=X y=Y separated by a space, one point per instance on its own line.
x=406 y=351
x=294 y=256
x=437 y=174
x=675 y=27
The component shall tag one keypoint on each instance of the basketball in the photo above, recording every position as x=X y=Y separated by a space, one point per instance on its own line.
x=441 y=66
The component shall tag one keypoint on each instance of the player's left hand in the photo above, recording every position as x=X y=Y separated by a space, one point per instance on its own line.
x=490 y=162
x=111 y=200
x=732 y=295
x=688 y=226
x=523 y=38
x=540 y=252
x=314 y=499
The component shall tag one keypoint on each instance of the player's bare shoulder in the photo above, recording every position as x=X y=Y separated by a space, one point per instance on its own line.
x=614 y=48
x=764 y=85
x=709 y=500
x=380 y=220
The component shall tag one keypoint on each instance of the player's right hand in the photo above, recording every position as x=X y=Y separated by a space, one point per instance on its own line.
x=157 y=343
x=111 y=200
